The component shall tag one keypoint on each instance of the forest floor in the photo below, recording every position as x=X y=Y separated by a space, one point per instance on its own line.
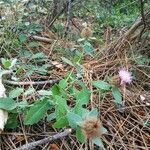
x=128 y=125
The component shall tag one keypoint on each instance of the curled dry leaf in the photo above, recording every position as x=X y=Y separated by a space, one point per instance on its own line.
x=3 y=113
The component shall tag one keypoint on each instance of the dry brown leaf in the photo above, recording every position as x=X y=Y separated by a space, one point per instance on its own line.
x=54 y=147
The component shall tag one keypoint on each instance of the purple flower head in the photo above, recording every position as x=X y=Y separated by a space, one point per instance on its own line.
x=125 y=76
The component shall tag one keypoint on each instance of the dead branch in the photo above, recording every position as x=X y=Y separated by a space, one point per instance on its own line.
x=45 y=140
x=41 y=39
x=53 y=81
x=132 y=34
x=133 y=28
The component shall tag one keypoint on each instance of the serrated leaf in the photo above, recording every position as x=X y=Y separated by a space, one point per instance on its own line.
x=80 y=136
x=16 y=92
x=98 y=142
x=7 y=103
x=101 y=85
x=67 y=61
x=61 y=122
x=117 y=95
x=37 y=112
x=73 y=119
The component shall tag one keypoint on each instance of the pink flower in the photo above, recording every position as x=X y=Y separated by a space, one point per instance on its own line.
x=125 y=76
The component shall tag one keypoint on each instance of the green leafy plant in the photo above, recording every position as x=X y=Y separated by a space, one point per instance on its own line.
x=106 y=87
x=39 y=110
x=8 y=64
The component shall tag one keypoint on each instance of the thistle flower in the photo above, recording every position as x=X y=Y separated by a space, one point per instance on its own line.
x=125 y=76
x=91 y=127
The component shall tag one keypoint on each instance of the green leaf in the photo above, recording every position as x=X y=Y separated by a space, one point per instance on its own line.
x=13 y=62
x=29 y=91
x=62 y=84
x=33 y=44
x=59 y=27
x=55 y=90
x=147 y=123
x=22 y=38
x=61 y=122
x=61 y=107
x=51 y=117
x=117 y=95
x=12 y=121
x=98 y=142
x=73 y=119
x=83 y=97
x=79 y=110
x=93 y=113
x=67 y=61
x=61 y=102
x=80 y=136
x=101 y=85
x=23 y=104
x=88 y=48
x=25 y=53
x=16 y=92
x=37 y=112
x=7 y=104
x=38 y=55
x=60 y=111
x=6 y=63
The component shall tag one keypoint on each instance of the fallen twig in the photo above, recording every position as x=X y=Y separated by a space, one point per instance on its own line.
x=32 y=82
x=45 y=140
x=42 y=39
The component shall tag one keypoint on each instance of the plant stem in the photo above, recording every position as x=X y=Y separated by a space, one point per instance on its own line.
x=45 y=140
